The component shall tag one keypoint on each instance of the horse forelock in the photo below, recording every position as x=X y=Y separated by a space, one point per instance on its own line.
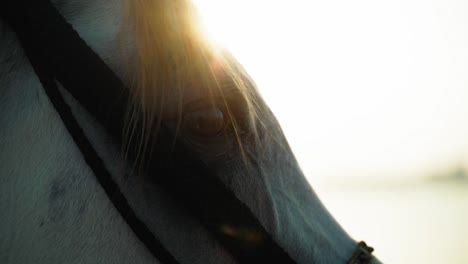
x=172 y=52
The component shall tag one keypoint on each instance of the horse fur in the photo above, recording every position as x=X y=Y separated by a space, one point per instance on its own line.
x=54 y=211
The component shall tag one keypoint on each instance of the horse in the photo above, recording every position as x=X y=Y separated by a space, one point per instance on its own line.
x=56 y=210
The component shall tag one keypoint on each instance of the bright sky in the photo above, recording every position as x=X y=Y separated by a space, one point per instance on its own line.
x=362 y=88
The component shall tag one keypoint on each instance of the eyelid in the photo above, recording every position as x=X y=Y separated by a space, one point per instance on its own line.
x=203 y=104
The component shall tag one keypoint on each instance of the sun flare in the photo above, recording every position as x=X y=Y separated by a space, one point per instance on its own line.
x=360 y=89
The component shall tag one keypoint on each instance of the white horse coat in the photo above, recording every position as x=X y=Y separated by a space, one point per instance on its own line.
x=54 y=211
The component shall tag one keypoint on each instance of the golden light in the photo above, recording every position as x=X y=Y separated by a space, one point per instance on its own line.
x=361 y=88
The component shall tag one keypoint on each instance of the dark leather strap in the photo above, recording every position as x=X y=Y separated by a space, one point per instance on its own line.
x=58 y=53
x=103 y=176
x=40 y=62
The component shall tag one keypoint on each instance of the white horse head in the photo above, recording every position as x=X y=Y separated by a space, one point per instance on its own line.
x=54 y=210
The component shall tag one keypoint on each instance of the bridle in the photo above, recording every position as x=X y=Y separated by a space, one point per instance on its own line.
x=59 y=55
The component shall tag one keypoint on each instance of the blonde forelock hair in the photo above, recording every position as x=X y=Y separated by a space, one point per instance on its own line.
x=172 y=51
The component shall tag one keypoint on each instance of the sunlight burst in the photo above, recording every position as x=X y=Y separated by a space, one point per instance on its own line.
x=361 y=89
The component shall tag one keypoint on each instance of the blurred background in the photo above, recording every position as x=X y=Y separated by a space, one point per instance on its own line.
x=373 y=98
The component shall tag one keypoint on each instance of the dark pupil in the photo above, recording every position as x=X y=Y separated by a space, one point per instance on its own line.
x=207 y=122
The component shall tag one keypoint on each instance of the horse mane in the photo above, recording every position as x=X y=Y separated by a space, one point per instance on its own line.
x=171 y=53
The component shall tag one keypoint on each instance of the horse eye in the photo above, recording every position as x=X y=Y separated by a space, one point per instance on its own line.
x=204 y=122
